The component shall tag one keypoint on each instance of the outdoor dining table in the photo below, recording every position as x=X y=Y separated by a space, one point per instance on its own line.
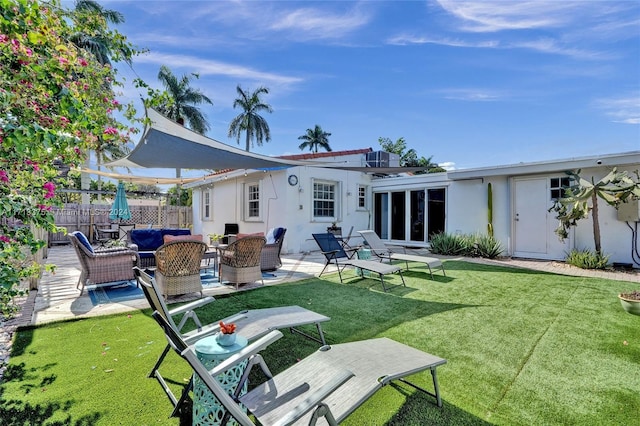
x=113 y=233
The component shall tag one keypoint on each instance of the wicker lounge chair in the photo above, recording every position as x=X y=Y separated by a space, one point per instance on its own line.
x=240 y=260
x=251 y=324
x=379 y=249
x=330 y=383
x=102 y=265
x=270 y=257
x=334 y=253
x=178 y=267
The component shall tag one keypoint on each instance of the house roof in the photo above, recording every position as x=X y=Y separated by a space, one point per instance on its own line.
x=550 y=166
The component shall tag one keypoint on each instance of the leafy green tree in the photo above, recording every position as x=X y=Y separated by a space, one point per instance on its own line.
x=54 y=106
x=250 y=121
x=408 y=157
x=582 y=197
x=315 y=138
x=178 y=197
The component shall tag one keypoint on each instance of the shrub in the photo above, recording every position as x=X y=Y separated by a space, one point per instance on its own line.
x=472 y=245
x=587 y=259
x=487 y=246
x=448 y=244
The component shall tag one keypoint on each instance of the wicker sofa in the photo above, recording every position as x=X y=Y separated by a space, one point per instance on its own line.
x=147 y=241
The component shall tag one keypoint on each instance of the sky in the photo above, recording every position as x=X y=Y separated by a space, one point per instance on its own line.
x=469 y=84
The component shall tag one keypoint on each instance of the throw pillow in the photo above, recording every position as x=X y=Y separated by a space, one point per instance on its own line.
x=277 y=234
x=169 y=238
x=271 y=239
x=83 y=240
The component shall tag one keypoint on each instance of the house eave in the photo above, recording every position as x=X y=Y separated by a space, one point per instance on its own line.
x=549 y=166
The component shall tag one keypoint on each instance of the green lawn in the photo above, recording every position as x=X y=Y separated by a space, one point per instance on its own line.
x=522 y=348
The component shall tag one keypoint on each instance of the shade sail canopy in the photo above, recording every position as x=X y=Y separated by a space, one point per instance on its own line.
x=120 y=208
x=167 y=144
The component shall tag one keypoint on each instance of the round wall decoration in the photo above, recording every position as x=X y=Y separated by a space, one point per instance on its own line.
x=293 y=180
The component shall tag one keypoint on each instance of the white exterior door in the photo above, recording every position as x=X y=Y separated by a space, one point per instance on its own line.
x=533 y=225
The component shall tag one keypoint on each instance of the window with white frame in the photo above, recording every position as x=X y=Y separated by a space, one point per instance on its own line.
x=362 y=197
x=325 y=200
x=557 y=187
x=252 y=201
x=207 y=207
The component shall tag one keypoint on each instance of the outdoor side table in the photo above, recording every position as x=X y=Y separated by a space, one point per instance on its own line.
x=363 y=254
x=207 y=410
x=211 y=253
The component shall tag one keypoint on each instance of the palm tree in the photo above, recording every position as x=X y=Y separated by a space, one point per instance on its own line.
x=315 y=138
x=184 y=99
x=250 y=121
x=182 y=106
x=98 y=44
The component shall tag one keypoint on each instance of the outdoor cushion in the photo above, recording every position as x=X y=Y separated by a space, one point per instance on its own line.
x=168 y=238
x=151 y=239
x=83 y=239
x=274 y=235
x=256 y=234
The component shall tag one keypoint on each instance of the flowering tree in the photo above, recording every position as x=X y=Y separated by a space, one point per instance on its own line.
x=56 y=103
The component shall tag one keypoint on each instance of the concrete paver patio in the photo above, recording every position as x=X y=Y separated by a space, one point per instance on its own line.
x=57 y=297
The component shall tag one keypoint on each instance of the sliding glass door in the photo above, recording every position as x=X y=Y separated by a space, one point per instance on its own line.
x=409 y=215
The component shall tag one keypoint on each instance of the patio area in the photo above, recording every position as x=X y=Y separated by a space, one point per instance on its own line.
x=57 y=297
x=466 y=334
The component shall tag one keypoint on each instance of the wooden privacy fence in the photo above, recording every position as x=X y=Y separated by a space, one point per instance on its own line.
x=82 y=217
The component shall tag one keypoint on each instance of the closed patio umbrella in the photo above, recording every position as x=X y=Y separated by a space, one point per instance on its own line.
x=120 y=208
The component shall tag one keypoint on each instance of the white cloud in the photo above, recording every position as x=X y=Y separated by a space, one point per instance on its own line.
x=410 y=39
x=472 y=95
x=491 y=16
x=312 y=23
x=448 y=165
x=624 y=110
x=210 y=67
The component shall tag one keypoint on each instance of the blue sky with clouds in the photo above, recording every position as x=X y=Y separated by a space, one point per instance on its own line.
x=472 y=84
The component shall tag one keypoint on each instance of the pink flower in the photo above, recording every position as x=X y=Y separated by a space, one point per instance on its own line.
x=50 y=187
x=3 y=176
x=4 y=38
x=36 y=168
x=5 y=239
x=110 y=131
x=83 y=62
x=63 y=61
x=77 y=150
x=44 y=208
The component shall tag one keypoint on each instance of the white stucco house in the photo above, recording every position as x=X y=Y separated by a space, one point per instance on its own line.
x=406 y=209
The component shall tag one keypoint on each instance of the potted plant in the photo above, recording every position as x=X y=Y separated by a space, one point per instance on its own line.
x=214 y=239
x=630 y=301
x=227 y=334
x=334 y=229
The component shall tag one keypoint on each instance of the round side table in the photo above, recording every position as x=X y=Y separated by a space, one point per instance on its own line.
x=206 y=408
x=363 y=254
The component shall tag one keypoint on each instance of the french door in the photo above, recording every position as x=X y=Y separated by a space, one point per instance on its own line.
x=409 y=215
